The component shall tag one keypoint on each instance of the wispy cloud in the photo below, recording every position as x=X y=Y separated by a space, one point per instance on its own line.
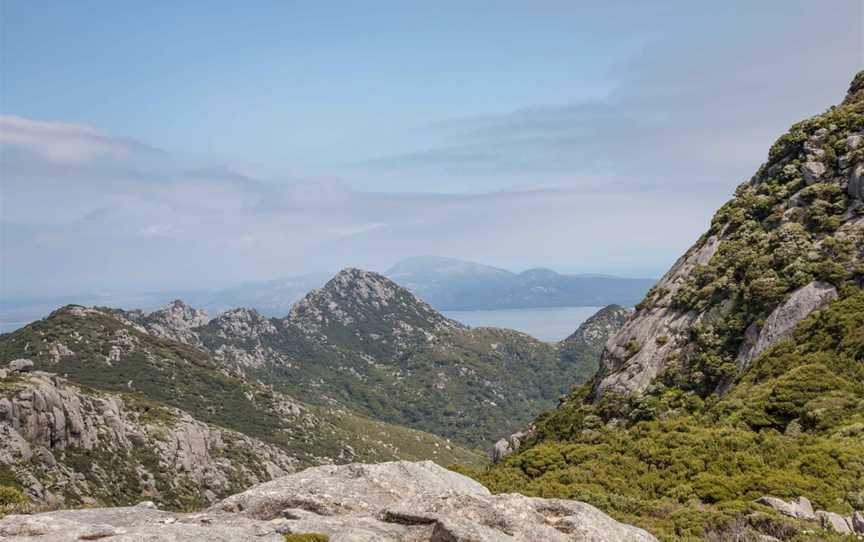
x=62 y=142
x=621 y=184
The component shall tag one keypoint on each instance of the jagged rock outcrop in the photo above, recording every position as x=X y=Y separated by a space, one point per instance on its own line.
x=174 y=321
x=388 y=502
x=93 y=443
x=775 y=253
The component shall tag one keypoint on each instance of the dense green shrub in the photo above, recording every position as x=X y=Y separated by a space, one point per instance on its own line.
x=11 y=500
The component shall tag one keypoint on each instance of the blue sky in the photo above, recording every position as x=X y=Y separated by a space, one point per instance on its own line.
x=180 y=144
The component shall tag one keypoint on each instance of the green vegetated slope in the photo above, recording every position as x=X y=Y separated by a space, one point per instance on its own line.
x=686 y=455
x=364 y=342
x=164 y=379
x=681 y=465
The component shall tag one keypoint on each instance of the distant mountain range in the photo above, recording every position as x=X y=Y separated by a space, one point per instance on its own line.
x=107 y=405
x=451 y=284
x=447 y=284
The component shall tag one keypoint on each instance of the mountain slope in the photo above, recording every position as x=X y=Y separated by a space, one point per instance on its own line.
x=777 y=251
x=451 y=284
x=367 y=343
x=371 y=346
x=740 y=374
x=121 y=381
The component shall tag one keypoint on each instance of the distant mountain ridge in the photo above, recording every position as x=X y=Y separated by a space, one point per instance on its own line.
x=444 y=283
x=452 y=284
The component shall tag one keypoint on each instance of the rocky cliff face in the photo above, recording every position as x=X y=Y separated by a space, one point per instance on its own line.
x=776 y=252
x=390 y=502
x=65 y=445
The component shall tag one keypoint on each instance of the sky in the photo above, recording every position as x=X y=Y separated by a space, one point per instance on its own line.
x=171 y=145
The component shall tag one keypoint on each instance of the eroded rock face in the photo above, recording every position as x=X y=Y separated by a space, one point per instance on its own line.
x=46 y=421
x=625 y=371
x=782 y=321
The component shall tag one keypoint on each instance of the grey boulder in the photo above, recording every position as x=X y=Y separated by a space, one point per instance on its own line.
x=388 y=502
x=831 y=521
x=21 y=365
x=800 y=508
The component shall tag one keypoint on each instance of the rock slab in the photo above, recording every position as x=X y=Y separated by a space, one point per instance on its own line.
x=388 y=502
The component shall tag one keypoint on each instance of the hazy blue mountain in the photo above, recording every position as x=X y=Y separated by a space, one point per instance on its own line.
x=452 y=284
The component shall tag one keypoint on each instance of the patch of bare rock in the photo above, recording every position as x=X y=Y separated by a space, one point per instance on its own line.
x=802 y=509
x=388 y=502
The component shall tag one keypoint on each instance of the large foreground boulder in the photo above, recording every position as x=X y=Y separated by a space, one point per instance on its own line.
x=388 y=502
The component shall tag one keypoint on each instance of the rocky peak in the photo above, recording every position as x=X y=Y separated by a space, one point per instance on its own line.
x=245 y=323
x=179 y=314
x=356 y=297
x=790 y=237
x=176 y=321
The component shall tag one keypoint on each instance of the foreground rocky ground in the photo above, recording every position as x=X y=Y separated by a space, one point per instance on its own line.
x=397 y=501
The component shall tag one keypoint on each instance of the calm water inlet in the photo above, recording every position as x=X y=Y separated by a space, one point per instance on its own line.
x=546 y=324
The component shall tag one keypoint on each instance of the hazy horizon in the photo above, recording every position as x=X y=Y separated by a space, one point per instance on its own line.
x=131 y=292
x=156 y=147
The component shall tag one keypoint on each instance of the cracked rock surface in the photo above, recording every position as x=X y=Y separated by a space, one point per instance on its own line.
x=399 y=501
